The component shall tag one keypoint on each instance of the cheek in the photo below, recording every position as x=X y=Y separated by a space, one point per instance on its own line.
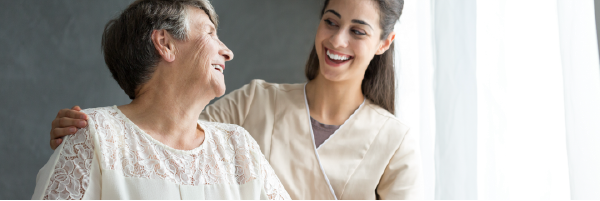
x=207 y=49
x=323 y=34
x=321 y=31
x=364 y=52
x=211 y=50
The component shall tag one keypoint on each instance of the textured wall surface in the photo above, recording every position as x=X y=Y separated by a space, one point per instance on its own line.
x=50 y=59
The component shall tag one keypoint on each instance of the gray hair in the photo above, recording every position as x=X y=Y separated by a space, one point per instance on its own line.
x=127 y=46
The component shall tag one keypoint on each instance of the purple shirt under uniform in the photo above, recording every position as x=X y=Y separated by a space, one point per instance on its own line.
x=321 y=131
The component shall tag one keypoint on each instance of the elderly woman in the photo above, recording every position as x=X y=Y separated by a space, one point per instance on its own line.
x=167 y=57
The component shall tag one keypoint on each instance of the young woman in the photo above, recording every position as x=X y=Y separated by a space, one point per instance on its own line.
x=334 y=137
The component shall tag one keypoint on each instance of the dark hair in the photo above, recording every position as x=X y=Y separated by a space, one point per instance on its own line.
x=379 y=83
x=128 y=49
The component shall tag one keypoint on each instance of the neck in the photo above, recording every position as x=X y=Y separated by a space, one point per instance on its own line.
x=168 y=113
x=333 y=102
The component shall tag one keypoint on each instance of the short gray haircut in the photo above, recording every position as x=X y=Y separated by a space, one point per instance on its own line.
x=127 y=46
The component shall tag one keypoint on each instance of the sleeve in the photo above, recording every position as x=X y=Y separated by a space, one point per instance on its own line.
x=68 y=173
x=272 y=186
x=233 y=107
x=402 y=178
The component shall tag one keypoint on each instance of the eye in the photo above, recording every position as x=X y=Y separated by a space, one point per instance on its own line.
x=212 y=31
x=357 y=32
x=329 y=22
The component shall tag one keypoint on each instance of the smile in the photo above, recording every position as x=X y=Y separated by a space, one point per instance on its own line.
x=218 y=67
x=336 y=59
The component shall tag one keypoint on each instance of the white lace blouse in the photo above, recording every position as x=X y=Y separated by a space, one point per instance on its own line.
x=114 y=159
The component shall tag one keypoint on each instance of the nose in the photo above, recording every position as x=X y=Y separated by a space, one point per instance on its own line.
x=225 y=52
x=339 y=39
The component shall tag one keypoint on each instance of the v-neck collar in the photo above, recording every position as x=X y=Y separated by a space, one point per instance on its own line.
x=336 y=131
x=312 y=135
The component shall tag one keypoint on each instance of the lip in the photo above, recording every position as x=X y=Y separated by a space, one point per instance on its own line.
x=222 y=66
x=335 y=63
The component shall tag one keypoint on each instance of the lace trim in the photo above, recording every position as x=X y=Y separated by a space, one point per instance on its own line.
x=224 y=161
x=71 y=173
x=273 y=187
x=229 y=155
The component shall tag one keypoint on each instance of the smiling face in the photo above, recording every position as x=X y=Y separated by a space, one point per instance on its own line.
x=348 y=37
x=202 y=57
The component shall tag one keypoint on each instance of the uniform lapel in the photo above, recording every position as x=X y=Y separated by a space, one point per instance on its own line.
x=344 y=151
x=293 y=154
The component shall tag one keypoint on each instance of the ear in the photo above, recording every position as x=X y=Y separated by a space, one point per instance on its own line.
x=385 y=44
x=164 y=44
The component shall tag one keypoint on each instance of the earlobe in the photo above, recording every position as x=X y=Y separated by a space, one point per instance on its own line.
x=385 y=44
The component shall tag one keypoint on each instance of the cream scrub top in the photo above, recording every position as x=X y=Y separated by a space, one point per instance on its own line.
x=371 y=156
x=114 y=159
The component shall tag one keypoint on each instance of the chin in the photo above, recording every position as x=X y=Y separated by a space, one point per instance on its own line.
x=217 y=84
x=219 y=89
x=220 y=93
x=332 y=74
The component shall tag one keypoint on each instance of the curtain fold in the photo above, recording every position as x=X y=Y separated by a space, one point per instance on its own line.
x=455 y=99
x=414 y=73
x=505 y=96
x=521 y=133
x=581 y=73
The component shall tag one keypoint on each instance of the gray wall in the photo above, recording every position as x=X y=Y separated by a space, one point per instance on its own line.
x=50 y=59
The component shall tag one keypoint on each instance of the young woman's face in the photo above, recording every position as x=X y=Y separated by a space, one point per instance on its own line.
x=348 y=37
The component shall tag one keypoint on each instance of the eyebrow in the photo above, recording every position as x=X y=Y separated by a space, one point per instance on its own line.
x=362 y=22
x=334 y=12
x=354 y=21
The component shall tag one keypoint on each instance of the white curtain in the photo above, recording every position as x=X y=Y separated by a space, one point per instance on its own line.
x=505 y=95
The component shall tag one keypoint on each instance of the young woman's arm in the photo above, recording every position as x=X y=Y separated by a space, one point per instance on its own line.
x=402 y=178
x=232 y=108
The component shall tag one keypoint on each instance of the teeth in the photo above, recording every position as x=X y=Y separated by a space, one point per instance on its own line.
x=218 y=67
x=336 y=57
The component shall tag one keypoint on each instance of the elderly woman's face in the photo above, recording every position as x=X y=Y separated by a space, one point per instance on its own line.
x=203 y=55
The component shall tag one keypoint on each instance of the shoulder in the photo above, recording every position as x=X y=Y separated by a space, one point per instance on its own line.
x=101 y=113
x=263 y=85
x=105 y=122
x=384 y=114
x=221 y=128
x=84 y=138
x=231 y=135
x=392 y=123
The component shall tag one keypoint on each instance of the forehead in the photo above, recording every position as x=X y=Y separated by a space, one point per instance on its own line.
x=366 y=10
x=197 y=18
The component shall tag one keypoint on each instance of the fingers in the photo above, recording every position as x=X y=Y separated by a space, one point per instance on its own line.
x=64 y=122
x=81 y=114
x=61 y=132
x=74 y=113
x=54 y=143
x=57 y=134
